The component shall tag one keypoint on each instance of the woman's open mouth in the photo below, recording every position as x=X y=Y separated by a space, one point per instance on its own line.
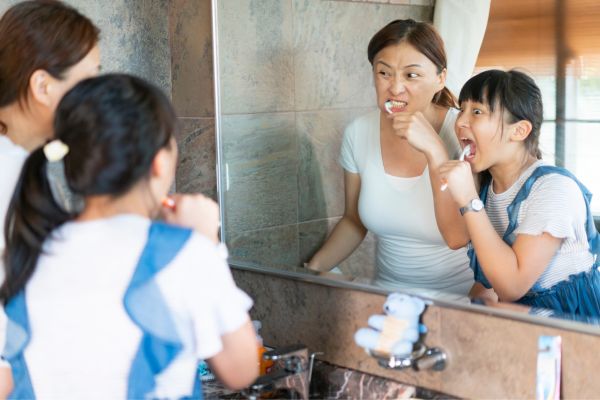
x=394 y=106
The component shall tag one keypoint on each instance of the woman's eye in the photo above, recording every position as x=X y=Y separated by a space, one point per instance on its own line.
x=412 y=75
x=385 y=74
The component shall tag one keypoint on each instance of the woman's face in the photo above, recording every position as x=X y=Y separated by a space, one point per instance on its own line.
x=404 y=74
x=88 y=67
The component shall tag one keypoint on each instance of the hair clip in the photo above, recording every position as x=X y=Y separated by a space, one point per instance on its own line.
x=55 y=150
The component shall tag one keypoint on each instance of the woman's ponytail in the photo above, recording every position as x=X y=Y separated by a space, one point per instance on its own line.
x=32 y=215
x=445 y=98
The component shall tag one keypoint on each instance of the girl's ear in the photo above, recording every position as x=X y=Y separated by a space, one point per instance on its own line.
x=520 y=130
x=159 y=164
x=165 y=161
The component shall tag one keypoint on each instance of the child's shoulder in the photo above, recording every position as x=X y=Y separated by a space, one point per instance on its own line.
x=558 y=189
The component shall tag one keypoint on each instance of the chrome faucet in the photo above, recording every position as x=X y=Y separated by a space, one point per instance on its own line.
x=289 y=377
x=422 y=358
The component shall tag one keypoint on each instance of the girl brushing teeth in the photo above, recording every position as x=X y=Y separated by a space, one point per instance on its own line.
x=520 y=246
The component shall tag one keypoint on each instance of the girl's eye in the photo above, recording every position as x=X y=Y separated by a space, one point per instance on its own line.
x=477 y=111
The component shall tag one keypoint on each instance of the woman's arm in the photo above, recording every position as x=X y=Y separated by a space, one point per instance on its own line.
x=478 y=291
x=236 y=365
x=420 y=134
x=347 y=234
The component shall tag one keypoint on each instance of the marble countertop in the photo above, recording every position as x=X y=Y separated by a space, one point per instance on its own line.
x=333 y=382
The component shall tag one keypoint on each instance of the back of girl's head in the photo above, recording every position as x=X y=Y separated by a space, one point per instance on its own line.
x=514 y=94
x=114 y=125
x=40 y=34
x=423 y=37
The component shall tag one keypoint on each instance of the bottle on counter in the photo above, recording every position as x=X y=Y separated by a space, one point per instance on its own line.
x=264 y=365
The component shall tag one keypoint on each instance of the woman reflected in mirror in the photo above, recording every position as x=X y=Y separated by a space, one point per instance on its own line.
x=46 y=47
x=391 y=158
x=532 y=236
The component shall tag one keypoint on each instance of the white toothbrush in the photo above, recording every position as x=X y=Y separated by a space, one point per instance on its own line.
x=465 y=153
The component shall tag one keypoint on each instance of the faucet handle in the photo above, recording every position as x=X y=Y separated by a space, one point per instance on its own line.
x=284 y=352
x=292 y=358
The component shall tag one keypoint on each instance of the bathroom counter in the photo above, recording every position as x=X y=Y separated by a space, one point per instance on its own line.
x=333 y=382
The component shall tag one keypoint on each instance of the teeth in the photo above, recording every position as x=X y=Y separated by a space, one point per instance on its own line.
x=392 y=106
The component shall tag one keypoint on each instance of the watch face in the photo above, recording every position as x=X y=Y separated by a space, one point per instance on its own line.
x=476 y=204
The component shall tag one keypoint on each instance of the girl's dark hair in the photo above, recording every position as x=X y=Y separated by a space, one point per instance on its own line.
x=515 y=94
x=40 y=34
x=113 y=125
x=423 y=37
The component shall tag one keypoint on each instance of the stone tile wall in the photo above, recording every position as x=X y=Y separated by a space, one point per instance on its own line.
x=293 y=74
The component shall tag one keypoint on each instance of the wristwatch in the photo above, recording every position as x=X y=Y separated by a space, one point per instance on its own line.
x=474 y=205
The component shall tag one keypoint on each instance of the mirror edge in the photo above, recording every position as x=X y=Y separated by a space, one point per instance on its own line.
x=217 y=99
x=550 y=322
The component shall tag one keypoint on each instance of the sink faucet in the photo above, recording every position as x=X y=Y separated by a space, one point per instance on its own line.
x=289 y=376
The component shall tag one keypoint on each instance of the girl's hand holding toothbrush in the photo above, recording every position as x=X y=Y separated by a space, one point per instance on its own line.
x=459 y=180
x=194 y=211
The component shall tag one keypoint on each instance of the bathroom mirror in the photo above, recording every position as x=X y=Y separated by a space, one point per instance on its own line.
x=292 y=74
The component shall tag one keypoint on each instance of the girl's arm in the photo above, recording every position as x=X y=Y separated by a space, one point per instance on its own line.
x=511 y=271
x=347 y=234
x=237 y=364
x=6 y=381
x=449 y=221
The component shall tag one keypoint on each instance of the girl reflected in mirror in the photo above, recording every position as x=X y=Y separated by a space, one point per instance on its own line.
x=531 y=232
x=391 y=162
x=46 y=47
x=107 y=295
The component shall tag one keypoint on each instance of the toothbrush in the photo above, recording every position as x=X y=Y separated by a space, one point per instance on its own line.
x=169 y=203
x=391 y=105
x=465 y=153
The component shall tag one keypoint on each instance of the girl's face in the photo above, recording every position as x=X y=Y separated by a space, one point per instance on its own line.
x=404 y=74
x=478 y=127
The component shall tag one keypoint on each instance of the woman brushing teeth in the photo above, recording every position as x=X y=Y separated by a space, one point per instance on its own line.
x=391 y=159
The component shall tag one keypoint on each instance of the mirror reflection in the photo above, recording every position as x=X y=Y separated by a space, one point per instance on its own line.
x=318 y=176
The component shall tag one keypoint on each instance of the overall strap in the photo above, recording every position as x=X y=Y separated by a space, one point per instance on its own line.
x=18 y=334
x=147 y=308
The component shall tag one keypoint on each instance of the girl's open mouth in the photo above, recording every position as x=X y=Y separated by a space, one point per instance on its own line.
x=472 y=148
